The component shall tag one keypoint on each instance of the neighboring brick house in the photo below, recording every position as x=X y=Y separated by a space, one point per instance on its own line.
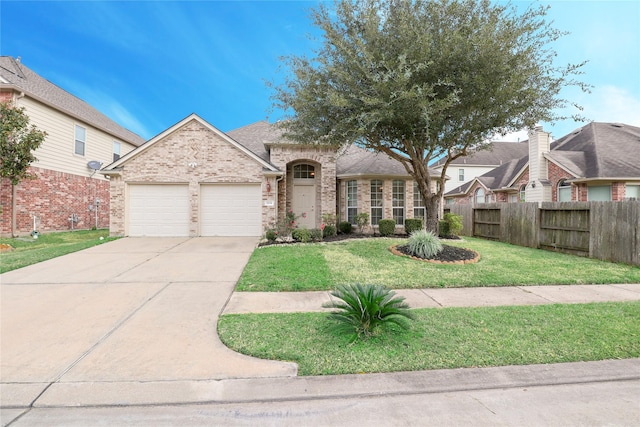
x=466 y=168
x=597 y=162
x=194 y=180
x=65 y=187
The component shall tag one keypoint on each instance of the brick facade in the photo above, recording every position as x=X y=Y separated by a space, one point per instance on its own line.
x=54 y=197
x=192 y=154
x=285 y=156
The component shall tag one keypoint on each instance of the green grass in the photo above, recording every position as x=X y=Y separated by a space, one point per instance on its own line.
x=323 y=266
x=28 y=250
x=443 y=338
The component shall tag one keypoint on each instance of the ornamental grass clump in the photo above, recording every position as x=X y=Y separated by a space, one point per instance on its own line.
x=424 y=244
x=362 y=310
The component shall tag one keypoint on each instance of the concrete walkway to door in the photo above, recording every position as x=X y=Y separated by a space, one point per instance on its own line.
x=122 y=318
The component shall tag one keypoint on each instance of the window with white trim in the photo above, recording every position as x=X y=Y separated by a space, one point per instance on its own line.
x=599 y=193
x=523 y=191
x=352 y=201
x=480 y=195
x=460 y=175
x=398 y=197
x=116 y=150
x=376 y=201
x=632 y=192
x=564 y=191
x=80 y=141
x=304 y=171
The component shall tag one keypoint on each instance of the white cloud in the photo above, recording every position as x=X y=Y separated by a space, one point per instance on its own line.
x=612 y=104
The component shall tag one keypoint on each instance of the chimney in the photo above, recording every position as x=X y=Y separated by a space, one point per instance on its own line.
x=539 y=188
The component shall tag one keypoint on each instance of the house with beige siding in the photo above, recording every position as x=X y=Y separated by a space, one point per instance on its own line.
x=67 y=191
x=597 y=162
x=195 y=180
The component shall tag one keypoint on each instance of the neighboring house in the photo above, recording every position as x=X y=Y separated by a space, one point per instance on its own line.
x=597 y=162
x=67 y=192
x=194 y=180
x=464 y=169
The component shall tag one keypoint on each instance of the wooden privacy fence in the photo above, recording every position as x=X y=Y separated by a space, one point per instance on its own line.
x=604 y=230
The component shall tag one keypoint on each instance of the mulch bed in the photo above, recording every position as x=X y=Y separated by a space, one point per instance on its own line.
x=448 y=255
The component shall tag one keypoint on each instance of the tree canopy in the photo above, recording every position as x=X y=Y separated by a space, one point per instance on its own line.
x=424 y=79
x=18 y=142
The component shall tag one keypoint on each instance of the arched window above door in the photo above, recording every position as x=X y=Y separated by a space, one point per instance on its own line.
x=304 y=171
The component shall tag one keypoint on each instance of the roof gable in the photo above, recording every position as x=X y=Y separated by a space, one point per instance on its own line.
x=113 y=167
x=14 y=74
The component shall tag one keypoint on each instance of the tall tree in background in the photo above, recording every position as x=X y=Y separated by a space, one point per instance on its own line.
x=17 y=143
x=420 y=80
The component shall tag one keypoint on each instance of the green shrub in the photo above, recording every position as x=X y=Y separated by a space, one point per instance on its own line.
x=387 y=227
x=271 y=235
x=301 y=235
x=455 y=223
x=424 y=244
x=345 y=227
x=412 y=224
x=329 y=231
x=315 y=234
x=362 y=309
x=329 y=219
x=362 y=220
x=444 y=228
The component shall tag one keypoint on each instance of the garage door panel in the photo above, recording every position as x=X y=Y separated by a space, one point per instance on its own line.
x=159 y=210
x=231 y=210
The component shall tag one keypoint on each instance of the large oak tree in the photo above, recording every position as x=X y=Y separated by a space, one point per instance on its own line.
x=421 y=80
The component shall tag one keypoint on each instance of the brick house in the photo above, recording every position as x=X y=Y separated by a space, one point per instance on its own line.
x=466 y=168
x=194 y=180
x=597 y=162
x=66 y=192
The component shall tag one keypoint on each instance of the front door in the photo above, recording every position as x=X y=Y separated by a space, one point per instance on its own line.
x=304 y=205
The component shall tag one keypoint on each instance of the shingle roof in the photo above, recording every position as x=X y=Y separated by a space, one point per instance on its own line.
x=496 y=178
x=597 y=150
x=600 y=150
x=13 y=73
x=351 y=161
x=255 y=136
x=499 y=153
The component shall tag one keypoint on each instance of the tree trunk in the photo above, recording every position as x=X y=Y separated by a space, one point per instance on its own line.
x=13 y=210
x=432 y=206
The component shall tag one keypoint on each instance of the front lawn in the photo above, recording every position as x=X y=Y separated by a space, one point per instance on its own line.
x=28 y=250
x=444 y=338
x=322 y=266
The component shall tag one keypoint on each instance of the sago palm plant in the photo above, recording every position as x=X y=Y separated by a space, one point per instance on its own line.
x=363 y=309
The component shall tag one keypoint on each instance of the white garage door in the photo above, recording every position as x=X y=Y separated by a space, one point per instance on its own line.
x=230 y=210
x=159 y=210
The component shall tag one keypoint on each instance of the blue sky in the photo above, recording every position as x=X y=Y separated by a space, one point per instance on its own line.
x=149 y=64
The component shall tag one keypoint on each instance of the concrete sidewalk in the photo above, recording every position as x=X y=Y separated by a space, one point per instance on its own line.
x=290 y=302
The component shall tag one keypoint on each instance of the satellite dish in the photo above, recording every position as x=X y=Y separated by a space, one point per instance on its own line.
x=94 y=164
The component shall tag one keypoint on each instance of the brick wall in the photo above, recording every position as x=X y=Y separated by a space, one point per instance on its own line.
x=168 y=161
x=556 y=174
x=284 y=156
x=618 y=191
x=53 y=197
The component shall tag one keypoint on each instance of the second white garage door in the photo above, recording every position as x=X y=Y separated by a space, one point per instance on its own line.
x=159 y=210
x=230 y=210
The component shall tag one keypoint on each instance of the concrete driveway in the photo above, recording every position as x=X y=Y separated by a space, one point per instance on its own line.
x=121 y=315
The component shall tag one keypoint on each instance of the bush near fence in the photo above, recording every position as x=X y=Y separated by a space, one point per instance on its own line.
x=604 y=230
